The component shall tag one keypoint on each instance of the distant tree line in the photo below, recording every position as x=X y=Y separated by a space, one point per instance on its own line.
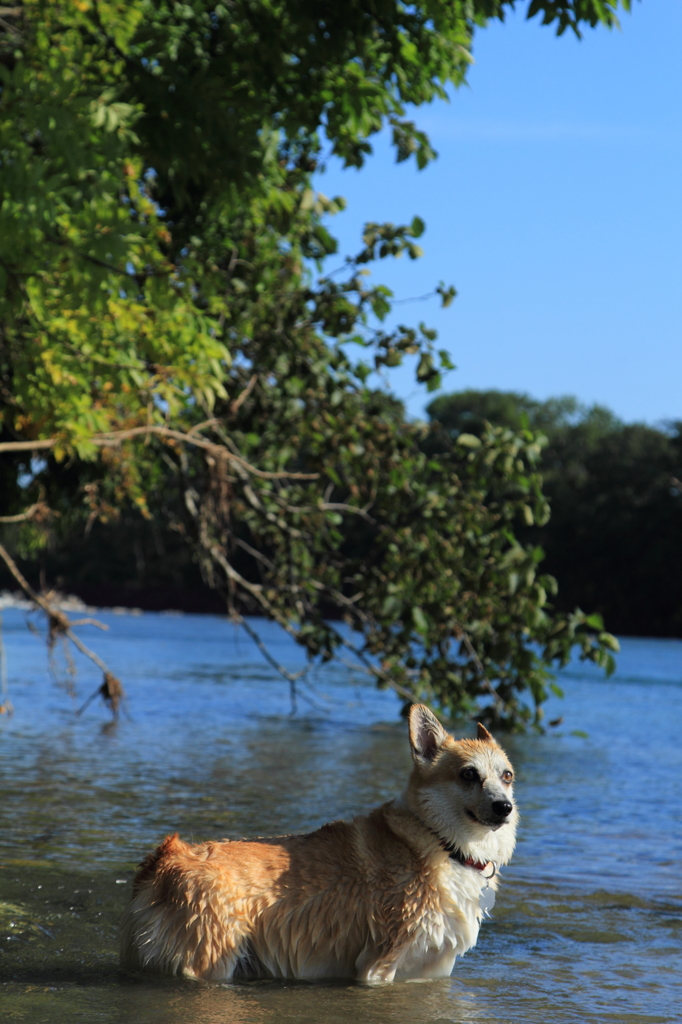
x=614 y=537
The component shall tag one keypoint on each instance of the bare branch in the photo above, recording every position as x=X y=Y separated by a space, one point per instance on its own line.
x=471 y=650
x=60 y=623
x=414 y=298
x=291 y=677
x=5 y=703
x=111 y=691
x=28 y=446
x=12 y=29
x=114 y=438
x=255 y=589
x=324 y=506
x=375 y=673
x=372 y=670
x=240 y=399
x=339 y=506
x=111 y=439
x=77 y=642
x=202 y=426
x=32 y=512
x=347 y=602
x=256 y=554
x=52 y=612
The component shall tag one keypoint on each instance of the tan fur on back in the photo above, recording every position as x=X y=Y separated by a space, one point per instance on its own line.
x=374 y=898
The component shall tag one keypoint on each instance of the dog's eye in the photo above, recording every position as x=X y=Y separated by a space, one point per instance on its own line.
x=468 y=774
x=507 y=776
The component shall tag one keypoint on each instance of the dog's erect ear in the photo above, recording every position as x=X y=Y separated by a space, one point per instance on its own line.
x=483 y=734
x=427 y=735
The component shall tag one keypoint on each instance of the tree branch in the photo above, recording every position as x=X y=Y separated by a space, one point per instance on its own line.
x=254 y=553
x=378 y=673
x=241 y=398
x=471 y=650
x=339 y=506
x=291 y=677
x=28 y=446
x=111 y=688
x=122 y=272
x=33 y=511
x=111 y=439
x=5 y=703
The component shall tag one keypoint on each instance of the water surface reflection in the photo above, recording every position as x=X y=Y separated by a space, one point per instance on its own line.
x=587 y=927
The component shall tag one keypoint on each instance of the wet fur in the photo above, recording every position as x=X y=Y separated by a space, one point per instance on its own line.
x=374 y=899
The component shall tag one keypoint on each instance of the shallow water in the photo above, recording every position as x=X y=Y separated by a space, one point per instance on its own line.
x=588 y=922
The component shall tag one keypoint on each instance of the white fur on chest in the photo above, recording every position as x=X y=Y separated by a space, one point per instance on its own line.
x=449 y=929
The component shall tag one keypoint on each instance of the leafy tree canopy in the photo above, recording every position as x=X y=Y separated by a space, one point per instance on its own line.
x=160 y=326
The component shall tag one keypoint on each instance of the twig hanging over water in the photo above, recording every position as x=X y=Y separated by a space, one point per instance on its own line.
x=5 y=703
x=471 y=651
x=291 y=677
x=111 y=692
x=373 y=670
x=60 y=625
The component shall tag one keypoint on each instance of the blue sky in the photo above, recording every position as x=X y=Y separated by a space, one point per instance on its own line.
x=554 y=208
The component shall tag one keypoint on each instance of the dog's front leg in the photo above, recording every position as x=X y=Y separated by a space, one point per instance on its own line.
x=378 y=963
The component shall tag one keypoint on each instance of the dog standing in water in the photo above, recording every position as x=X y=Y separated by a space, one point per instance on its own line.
x=397 y=894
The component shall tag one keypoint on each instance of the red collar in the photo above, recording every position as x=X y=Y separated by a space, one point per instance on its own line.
x=480 y=865
x=468 y=862
x=457 y=855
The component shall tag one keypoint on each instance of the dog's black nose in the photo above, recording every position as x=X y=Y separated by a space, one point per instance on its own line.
x=502 y=808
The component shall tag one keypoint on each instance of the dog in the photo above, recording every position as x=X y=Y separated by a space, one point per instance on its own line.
x=392 y=895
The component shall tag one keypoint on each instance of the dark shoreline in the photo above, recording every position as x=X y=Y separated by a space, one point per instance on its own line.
x=184 y=600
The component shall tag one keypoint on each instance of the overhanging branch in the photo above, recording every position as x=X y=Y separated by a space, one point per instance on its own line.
x=59 y=623
x=113 y=438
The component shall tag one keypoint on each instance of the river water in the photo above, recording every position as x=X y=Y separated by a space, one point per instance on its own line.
x=588 y=923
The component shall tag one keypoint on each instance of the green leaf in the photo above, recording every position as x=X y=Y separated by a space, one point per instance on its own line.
x=609 y=641
x=417 y=227
x=419 y=620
